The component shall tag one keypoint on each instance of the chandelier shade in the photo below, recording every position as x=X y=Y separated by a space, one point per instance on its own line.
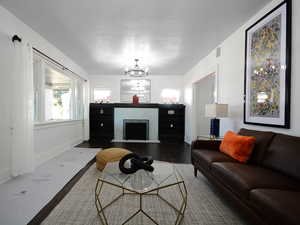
x=136 y=70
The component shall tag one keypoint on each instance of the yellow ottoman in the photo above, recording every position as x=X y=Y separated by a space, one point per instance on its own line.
x=109 y=155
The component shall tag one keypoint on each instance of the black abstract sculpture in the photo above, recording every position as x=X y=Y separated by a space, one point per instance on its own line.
x=137 y=163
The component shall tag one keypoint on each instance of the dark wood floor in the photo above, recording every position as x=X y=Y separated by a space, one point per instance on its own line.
x=169 y=152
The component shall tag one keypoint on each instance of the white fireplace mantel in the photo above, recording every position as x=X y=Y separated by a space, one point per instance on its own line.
x=150 y=114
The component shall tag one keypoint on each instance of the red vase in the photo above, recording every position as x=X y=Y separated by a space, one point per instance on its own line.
x=135 y=99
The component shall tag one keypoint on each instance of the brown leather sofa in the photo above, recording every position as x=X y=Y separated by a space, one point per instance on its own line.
x=267 y=188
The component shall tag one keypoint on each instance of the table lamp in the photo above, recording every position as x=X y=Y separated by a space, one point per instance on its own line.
x=215 y=111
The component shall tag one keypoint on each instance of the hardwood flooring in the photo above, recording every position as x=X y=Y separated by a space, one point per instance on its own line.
x=169 y=152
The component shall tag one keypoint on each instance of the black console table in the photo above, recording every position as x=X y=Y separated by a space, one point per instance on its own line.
x=171 y=121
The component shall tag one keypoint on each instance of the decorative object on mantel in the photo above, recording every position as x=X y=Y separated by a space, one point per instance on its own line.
x=137 y=71
x=216 y=111
x=268 y=69
x=135 y=99
x=136 y=163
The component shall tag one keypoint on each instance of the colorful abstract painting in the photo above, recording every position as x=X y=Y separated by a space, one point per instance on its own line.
x=267 y=70
x=265 y=67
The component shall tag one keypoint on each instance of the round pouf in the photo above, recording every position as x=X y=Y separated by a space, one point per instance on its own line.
x=109 y=155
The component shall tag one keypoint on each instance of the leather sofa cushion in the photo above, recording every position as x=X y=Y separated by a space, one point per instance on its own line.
x=241 y=178
x=206 y=144
x=277 y=206
x=284 y=155
x=263 y=140
x=205 y=158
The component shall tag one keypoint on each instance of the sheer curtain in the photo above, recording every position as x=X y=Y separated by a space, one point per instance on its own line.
x=86 y=101
x=22 y=107
x=6 y=56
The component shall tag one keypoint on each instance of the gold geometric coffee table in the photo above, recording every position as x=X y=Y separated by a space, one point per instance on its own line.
x=141 y=184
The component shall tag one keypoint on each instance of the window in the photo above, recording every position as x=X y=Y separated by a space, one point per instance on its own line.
x=101 y=95
x=170 y=96
x=58 y=93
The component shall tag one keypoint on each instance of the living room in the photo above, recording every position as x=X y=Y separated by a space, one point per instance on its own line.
x=87 y=84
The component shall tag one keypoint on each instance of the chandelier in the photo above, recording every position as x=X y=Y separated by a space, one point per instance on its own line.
x=137 y=71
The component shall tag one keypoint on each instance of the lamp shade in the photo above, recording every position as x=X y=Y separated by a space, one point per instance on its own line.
x=216 y=110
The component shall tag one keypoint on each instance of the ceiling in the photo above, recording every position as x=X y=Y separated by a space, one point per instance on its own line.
x=105 y=36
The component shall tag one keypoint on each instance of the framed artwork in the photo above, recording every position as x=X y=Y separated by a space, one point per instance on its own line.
x=268 y=69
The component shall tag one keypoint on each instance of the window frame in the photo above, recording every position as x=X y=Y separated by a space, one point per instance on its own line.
x=76 y=101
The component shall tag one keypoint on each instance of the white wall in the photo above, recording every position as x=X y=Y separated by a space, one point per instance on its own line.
x=158 y=83
x=49 y=140
x=53 y=139
x=230 y=68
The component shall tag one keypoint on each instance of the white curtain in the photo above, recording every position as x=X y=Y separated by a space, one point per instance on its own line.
x=6 y=56
x=22 y=108
x=86 y=101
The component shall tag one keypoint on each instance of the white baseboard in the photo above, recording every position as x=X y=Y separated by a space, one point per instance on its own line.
x=43 y=157
x=188 y=142
x=77 y=141
x=4 y=175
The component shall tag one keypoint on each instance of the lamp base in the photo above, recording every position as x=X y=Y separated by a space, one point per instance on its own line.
x=215 y=127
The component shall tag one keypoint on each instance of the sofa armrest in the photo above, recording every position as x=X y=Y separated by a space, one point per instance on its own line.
x=206 y=144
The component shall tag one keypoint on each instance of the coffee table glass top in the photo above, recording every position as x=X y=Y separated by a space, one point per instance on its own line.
x=142 y=181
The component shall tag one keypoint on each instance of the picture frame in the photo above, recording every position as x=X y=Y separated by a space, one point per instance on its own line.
x=267 y=81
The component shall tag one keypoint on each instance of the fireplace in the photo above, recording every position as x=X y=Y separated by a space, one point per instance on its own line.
x=135 y=129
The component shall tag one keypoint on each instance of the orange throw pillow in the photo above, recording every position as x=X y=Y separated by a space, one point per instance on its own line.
x=237 y=146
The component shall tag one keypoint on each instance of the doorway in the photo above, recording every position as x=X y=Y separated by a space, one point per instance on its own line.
x=204 y=93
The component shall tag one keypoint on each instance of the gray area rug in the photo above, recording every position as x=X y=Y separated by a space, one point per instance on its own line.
x=205 y=207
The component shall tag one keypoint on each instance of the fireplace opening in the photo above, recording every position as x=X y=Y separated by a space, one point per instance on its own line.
x=136 y=129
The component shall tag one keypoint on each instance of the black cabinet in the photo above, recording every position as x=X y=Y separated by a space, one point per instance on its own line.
x=171 y=123
x=101 y=122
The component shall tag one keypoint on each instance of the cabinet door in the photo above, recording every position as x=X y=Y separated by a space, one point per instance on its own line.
x=171 y=123
x=102 y=112
x=101 y=122
x=102 y=128
x=171 y=113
